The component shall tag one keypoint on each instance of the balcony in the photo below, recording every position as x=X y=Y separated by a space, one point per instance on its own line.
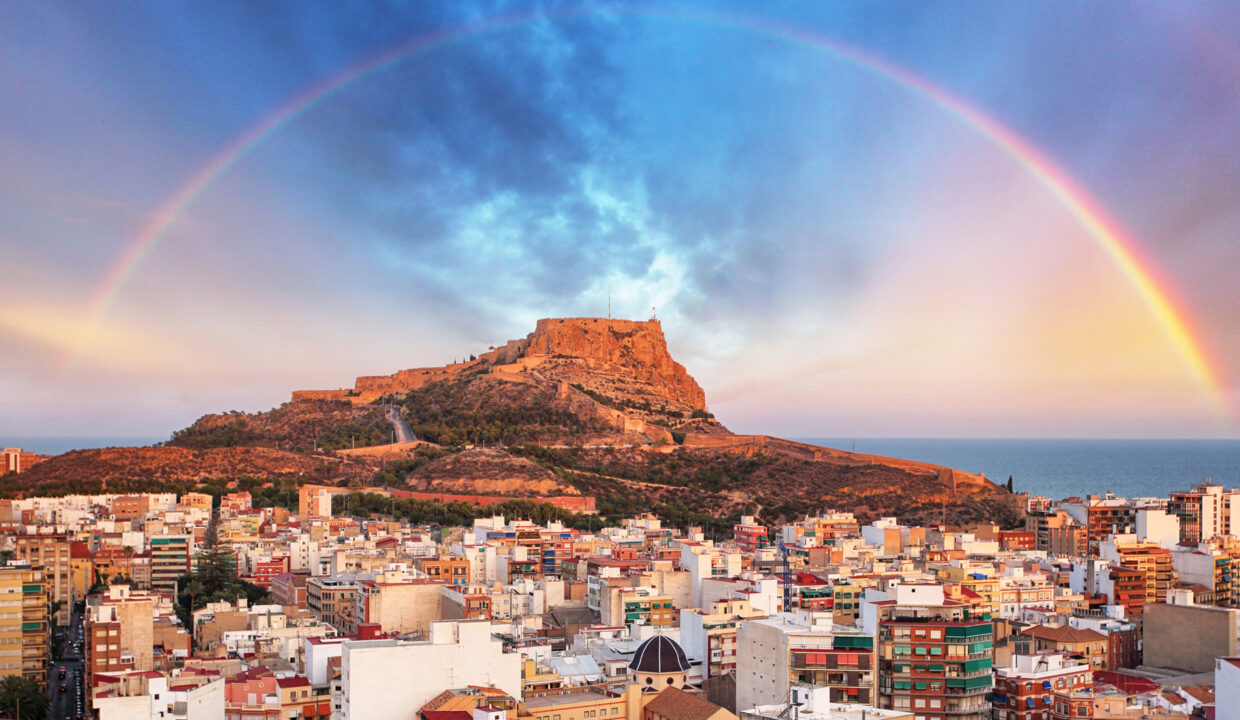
x=961 y=709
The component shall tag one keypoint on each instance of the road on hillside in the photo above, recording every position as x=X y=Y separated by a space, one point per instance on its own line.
x=404 y=433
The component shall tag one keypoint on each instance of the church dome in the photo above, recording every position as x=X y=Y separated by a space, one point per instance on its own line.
x=659 y=655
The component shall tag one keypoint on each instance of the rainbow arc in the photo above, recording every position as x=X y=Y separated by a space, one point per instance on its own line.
x=1109 y=235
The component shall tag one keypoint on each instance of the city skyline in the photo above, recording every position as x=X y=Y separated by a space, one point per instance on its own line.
x=879 y=220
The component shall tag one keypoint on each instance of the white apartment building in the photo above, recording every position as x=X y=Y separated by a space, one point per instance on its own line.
x=390 y=679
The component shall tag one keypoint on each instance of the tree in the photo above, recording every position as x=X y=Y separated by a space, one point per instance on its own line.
x=1009 y=484
x=214 y=580
x=22 y=699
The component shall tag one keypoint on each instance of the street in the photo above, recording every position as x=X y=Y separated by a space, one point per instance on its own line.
x=70 y=703
x=404 y=433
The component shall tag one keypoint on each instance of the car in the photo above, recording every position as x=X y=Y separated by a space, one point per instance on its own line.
x=61 y=674
x=63 y=687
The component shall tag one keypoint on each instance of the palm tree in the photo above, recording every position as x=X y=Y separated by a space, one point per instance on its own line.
x=22 y=698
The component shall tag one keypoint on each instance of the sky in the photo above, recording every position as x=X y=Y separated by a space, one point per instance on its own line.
x=869 y=219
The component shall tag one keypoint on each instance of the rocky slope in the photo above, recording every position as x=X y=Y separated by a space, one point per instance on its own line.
x=498 y=471
x=298 y=426
x=588 y=405
x=150 y=468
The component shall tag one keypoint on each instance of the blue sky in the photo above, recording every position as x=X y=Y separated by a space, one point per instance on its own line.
x=830 y=253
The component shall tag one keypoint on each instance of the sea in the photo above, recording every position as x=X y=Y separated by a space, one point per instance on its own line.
x=1053 y=468
x=58 y=445
x=1064 y=468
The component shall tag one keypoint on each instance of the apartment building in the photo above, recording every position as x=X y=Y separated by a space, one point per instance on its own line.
x=24 y=627
x=710 y=634
x=54 y=555
x=376 y=683
x=748 y=535
x=803 y=647
x=451 y=570
x=1027 y=687
x=170 y=559
x=1101 y=517
x=934 y=654
x=397 y=604
x=119 y=631
x=332 y=599
x=1090 y=646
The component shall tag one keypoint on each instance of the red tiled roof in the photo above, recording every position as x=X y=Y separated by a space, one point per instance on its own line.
x=1201 y=693
x=1063 y=633
x=446 y=715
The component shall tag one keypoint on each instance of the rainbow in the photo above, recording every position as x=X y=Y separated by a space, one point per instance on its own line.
x=1110 y=236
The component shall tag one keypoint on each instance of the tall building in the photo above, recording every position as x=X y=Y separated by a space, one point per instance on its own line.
x=119 y=631
x=1199 y=512
x=1141 y=573
x=25 y=635
x=327 y=596
x=934 y=654
x=170 y=559
x=315 y=501
x=803 y=647
x=17 y=460
x=1205 y=512
x=1102 y=517
x=711 y=634
x=52 y=553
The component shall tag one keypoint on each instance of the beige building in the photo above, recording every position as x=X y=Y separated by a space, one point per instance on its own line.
x=52 y=553
x=24 y=629
x=325 y=596
x=620 y=603
x=1188 y=637
x=120 y=630
x=399 y=606
x=315 y=501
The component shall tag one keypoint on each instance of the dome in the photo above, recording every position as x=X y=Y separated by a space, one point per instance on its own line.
x=659 y=655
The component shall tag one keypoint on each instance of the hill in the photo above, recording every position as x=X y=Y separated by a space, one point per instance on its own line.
x=580 y=405
x=159 y=469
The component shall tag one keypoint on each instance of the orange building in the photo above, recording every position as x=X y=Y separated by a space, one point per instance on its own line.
x=454 y=571
x=17 y=460
x=131 y=507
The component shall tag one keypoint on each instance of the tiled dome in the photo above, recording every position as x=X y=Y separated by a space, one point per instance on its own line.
x=659 y=655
